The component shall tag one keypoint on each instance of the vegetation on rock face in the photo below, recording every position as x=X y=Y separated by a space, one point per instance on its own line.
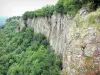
x=26 y=53
x=72 y=6
x=90 y=20
x=45 y=11
x=63 y=7
x=89 y=67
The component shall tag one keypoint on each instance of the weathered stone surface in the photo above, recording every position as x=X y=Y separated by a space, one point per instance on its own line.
x=83 y=12
x=74 y=44
x=97 y=20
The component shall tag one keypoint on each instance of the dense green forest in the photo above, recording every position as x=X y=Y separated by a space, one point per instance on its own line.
x=26 y=52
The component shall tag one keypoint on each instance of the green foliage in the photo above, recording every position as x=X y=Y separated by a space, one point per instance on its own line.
x=68 y=6
x=26 y=53
x=14 y=17
x=72 y=6
x=59 y=6
x=45 y=11
x=63 y=7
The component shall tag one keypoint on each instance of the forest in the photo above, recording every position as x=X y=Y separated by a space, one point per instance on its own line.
x=26 y=52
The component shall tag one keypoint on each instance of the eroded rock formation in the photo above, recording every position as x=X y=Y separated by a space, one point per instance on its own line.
x=78 y=45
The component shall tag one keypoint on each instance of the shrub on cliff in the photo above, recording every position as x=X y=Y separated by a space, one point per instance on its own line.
x=72 y=6
x=45 y=11
x=59 y=6
x=63 y=7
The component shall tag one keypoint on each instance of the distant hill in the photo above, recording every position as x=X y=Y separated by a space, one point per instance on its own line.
x=2 y=20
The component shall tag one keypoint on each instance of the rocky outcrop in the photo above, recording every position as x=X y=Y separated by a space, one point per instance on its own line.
x=78 y=45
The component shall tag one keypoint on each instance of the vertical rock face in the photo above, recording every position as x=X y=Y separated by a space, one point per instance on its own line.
x=79 y=47
x=55 y=28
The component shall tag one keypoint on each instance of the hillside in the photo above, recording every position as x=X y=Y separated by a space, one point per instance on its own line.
x=26 y=52
x=61 y=39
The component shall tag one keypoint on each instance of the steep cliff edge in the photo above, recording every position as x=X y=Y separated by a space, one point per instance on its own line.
x=77 y=40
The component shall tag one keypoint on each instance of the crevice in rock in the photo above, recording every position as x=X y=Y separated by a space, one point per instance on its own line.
x=83 y=48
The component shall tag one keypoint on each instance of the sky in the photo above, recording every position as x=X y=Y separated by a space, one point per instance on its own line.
x=18 y=7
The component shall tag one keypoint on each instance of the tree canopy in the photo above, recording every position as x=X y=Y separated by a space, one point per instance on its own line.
x=44 y=11
x=26 y=52
x=63 y=7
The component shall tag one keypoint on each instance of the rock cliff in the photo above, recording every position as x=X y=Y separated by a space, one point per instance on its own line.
x=76 y=39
